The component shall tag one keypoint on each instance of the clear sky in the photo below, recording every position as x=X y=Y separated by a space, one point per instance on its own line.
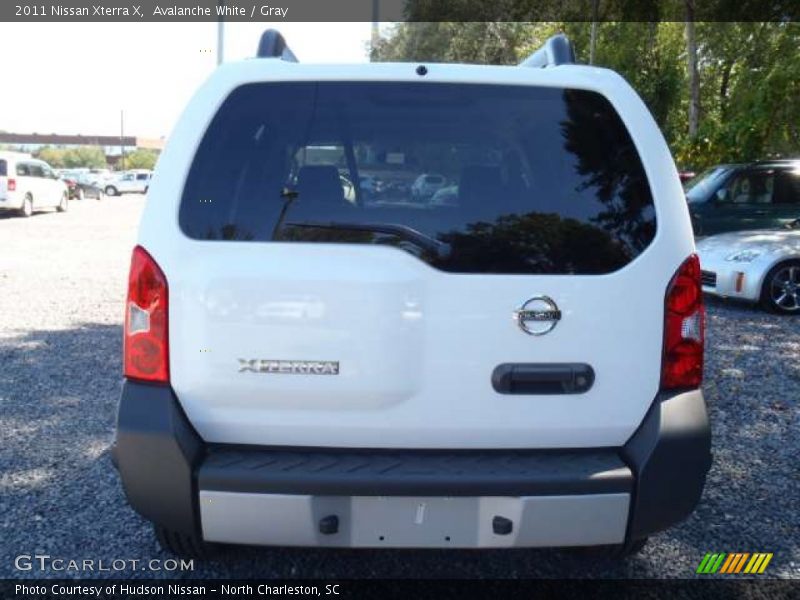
x=75 y=78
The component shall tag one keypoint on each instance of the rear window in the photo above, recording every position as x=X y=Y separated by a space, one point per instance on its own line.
x=3 y=168
x=518 y=179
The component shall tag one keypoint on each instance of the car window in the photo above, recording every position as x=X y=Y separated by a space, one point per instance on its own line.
x=750 y=187
x=535 y=189
x=702 y=186
x=787 y=187
x=35 y=170
x=142 y=176
x=23 y=170
x=3 y=168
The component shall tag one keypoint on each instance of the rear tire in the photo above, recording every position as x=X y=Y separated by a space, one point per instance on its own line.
x=182 y=544
x=63 y=206
x=111 y=190
x=27 y=206
x=781 y=290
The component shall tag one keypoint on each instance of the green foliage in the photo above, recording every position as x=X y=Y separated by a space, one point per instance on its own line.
x=52 y=156
x=141 y=159
x=81 y=157
x=492 y=43
x=85 y=156
x=749 y=74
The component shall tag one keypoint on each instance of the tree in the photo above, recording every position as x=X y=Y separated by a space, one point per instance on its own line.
x=694 y=76
x=91 y=157
x=479 y=42
x=81 y=157
x=720 y=91
x=52 y=156
x=141 y=159
x=593 y=37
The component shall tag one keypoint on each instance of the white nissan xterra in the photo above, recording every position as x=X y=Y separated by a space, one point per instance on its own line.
x=316 y=363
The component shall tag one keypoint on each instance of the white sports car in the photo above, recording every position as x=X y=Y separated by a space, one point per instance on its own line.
x=759 y=266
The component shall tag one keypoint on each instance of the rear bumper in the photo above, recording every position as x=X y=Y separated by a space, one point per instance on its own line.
x=11 y=201
x=411 y=498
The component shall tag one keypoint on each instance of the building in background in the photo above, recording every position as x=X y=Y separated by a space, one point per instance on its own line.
x=111 y=145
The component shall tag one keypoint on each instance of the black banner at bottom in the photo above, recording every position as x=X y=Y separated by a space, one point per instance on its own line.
x=75 y=589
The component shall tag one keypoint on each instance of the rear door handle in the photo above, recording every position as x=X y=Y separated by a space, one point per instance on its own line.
x=542 y=378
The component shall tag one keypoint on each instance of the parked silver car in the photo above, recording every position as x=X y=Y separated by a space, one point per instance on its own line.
x=759 y=266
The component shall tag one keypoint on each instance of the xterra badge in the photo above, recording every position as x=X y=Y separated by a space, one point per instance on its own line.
x=289 y=367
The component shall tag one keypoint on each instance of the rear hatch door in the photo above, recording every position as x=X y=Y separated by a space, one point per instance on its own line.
x=304 y=314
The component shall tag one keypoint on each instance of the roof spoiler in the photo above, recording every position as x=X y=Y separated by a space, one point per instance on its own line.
x=273 y=45
x=555 y=51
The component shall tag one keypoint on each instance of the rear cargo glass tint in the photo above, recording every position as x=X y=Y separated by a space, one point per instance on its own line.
x=469 y=178
x=3 y=168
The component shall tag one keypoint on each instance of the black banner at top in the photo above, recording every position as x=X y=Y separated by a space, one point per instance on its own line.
x=396 y=10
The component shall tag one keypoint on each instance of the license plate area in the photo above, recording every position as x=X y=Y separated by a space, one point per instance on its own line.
x=415 y=521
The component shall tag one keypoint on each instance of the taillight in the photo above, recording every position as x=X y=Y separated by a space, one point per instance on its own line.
x=684 y=329
x=12 y=185
x=146 y=352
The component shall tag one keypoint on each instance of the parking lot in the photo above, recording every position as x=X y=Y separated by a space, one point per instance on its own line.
x=62 y=288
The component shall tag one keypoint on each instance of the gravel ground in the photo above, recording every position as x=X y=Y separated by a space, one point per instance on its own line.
x=62 y=285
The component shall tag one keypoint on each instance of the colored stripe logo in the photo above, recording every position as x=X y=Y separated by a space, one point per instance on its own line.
x=735 y=562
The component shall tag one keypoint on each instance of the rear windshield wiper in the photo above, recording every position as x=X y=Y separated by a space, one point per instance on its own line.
x=441 y=249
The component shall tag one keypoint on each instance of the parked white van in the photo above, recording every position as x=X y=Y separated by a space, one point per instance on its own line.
x=519 y=366
x=28 y=184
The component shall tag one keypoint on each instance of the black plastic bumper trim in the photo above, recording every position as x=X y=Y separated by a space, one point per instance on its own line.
x=414 y=472
x=163 y=462
x=670 y=455
x=157 y=451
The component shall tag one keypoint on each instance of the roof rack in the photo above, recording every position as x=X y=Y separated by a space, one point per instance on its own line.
x=555 y=51
x=273 y=45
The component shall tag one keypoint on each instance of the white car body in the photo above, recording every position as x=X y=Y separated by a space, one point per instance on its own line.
x=736 y=264
x=383 y=402
x=427 y=184
x=414 y=349
x=446 y=196
x=368 y=184
x=27 y=177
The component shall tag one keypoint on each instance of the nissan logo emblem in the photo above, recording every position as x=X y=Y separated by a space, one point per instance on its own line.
x=538 y=316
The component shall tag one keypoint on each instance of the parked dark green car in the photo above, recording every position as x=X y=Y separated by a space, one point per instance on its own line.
x=758 y=195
